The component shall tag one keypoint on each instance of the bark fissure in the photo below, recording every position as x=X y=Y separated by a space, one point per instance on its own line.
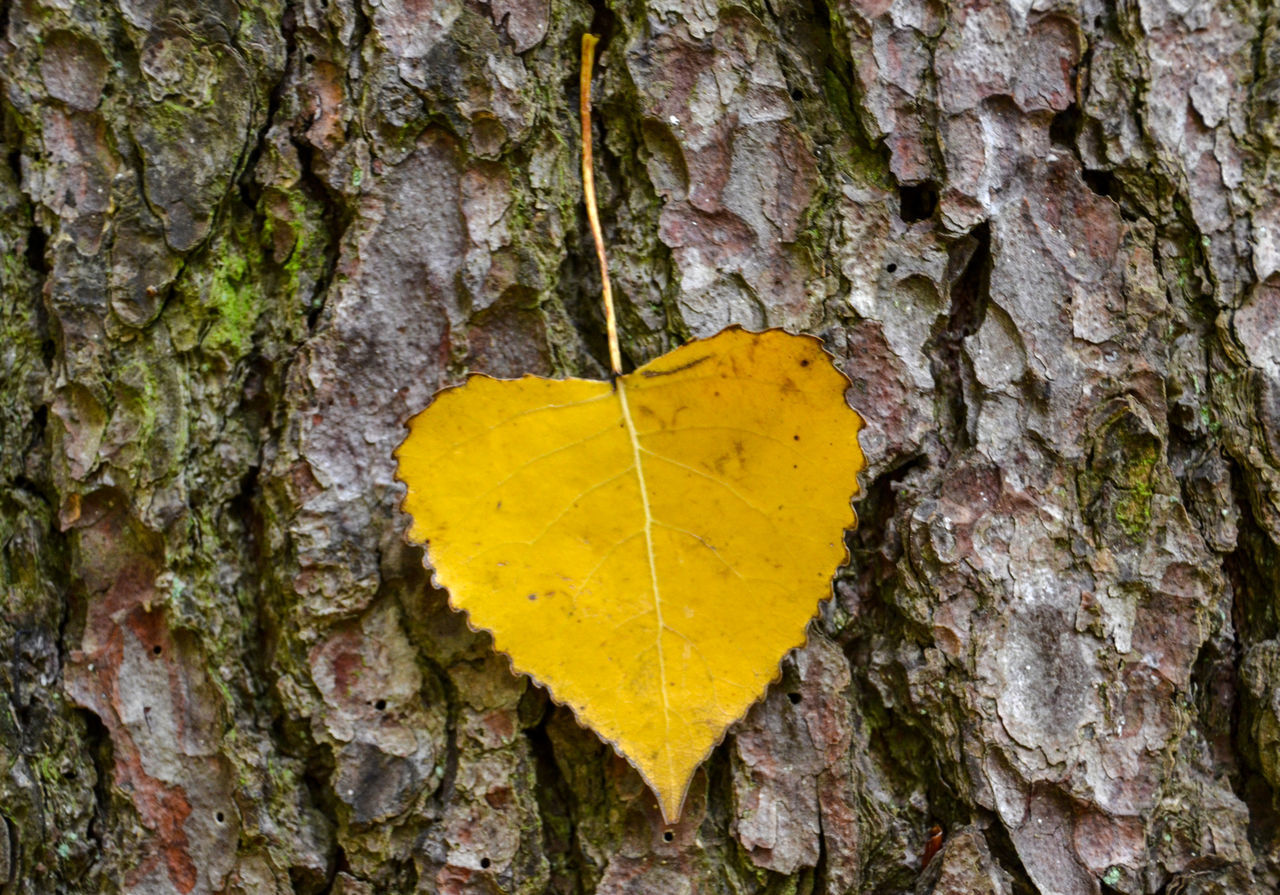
x=953 y=381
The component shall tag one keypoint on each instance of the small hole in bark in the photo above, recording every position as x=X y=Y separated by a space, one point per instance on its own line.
x=795 y=698
x=157 y=649
x=797 y=95
x=219 y=817
x=36 y=242
x=311 y=57
x=380 y=705
x=891 y=267
x=485 y=863
x=1101 y=182
x=668 y=836
x=1065 y=126
x=917 y=201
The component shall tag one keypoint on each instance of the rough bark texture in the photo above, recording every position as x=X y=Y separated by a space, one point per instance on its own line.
x=242 y=241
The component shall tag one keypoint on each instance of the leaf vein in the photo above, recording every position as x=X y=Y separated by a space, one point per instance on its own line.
x=530 y=462
x=550 y=525
x=723 y=484
x=638 y=465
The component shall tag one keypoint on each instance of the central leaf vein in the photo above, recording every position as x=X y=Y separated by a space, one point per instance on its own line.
x=653 y=566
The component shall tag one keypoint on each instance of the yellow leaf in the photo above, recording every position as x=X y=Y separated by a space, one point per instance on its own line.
x=648 y=551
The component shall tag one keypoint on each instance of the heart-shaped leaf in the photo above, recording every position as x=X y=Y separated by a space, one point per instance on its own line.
x=647 y=549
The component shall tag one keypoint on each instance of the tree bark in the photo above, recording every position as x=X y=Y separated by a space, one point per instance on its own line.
x=244 y=241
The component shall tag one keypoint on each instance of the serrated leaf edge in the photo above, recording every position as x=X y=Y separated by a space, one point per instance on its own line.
x=805 y=636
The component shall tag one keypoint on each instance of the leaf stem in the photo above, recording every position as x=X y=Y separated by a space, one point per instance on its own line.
x=589 y=42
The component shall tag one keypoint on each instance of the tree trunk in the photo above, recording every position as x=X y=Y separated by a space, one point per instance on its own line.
x=243 y=242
